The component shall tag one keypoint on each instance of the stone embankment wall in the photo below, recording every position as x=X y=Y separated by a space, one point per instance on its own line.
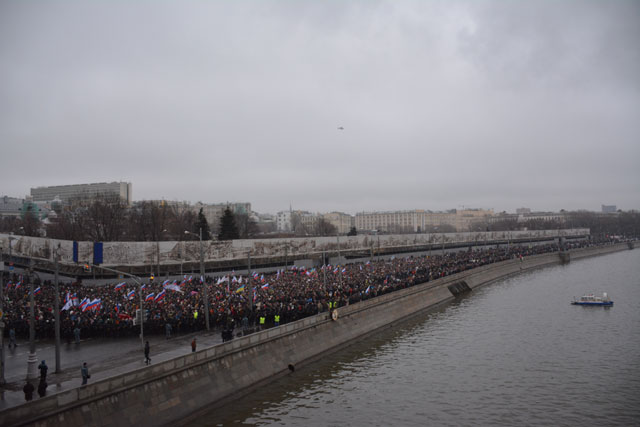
x=170 y=391
x=146 y=253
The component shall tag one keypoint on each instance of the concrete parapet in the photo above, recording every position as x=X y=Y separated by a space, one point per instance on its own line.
x=172 y=390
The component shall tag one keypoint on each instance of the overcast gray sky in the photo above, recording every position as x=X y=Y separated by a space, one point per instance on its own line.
x=444 y=104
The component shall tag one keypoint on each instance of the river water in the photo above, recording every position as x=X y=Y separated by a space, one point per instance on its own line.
x=511 y=353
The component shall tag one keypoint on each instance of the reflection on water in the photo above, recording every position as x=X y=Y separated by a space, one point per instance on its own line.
x=513 y=353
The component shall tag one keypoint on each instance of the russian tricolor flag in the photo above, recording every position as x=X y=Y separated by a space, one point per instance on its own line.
x=120 y=286
x=265 y=286
x=131 y=294
x=160 y=296
x=37 y=290
x=150 y=297
x=93 y=305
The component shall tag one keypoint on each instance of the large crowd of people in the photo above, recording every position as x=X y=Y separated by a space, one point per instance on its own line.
x=259 y=299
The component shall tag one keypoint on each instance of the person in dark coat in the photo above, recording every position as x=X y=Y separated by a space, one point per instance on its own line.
x=147 y=359
x=43 y=370
x=42 y=388
x=28 y=391
x=85 y=373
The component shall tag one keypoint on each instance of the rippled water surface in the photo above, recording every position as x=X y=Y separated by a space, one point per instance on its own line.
x=512 y=353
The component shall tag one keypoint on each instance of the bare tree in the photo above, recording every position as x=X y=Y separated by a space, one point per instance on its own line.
x=247 y=227
x=148 y=220
x=106 y=218
x=325 y=228
x=31 y=221
x=180 y=218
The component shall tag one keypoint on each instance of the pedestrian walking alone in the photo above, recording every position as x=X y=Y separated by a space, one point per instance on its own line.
x=42 y=388
x=147 y=359
x=167 y=330
x=193 y=346
x=76 y=334
x=28 y=391
x=43 y=371
x=85 y=373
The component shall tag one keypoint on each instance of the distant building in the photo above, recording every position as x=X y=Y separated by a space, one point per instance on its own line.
x=10 y=206
x=341 y=221
x=304 y=222
x=300 y=222
x=392 y=222
x=418 y=220
x=213 y=212
x=609 y=209
x=68 y=193
x=560 y=217
x=523 y=211
x=283 y=221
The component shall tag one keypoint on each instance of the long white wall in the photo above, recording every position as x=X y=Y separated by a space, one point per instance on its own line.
x=137 y=253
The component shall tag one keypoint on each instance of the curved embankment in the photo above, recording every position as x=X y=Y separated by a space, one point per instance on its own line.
x=173 y=390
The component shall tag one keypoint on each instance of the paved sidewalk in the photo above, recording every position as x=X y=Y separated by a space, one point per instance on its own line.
x=105 y=365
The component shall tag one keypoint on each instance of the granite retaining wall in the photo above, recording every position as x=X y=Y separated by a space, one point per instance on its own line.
x=170 y=391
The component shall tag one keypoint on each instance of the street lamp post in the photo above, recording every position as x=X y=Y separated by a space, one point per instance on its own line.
x=2 y=380
x=57 y=311
x=249 y=275
x=158 y=251
x=204 y=284
x=31 y=359
x=324 y=270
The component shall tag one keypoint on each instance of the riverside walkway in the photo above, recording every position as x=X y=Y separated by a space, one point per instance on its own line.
x=105 y=357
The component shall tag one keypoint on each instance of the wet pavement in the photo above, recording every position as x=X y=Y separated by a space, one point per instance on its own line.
x=105 y=358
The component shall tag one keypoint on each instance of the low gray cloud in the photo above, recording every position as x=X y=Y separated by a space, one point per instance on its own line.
x=482 y=104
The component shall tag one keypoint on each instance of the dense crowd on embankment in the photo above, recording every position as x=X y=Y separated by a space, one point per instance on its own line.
x=286 y=295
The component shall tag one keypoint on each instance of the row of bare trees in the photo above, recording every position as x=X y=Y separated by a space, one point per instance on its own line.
x=621 y=223
x=105 y=219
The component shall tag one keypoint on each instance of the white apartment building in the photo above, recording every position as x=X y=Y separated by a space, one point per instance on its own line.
x=283 y=221
x=392 y=222
x=418 y=220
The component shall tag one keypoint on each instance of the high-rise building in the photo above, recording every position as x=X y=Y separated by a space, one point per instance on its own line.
x=68 y=193
x=609 y=209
